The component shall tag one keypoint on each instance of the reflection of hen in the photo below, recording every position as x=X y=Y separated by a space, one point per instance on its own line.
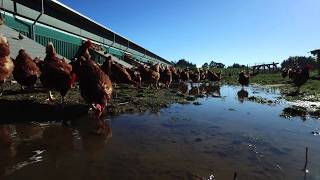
x=181 y=87
x=194 y=91
x=210 y=89
x=8 y=149
x=5 y=137
x=58 y=140
x=6 y=65
x=93 y=145
x=26 y=71
x=242 y=95
x=243 y=79
x=216 y=91
x=29 y=131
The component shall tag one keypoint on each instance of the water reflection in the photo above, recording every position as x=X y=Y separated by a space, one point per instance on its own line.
x=24 y=144
x=213 y=89
x=180 y=86
x=7 y=149
x=242 y=95
x=196 y=89
x=28 y=131
x=58 y=141
x=93 y=144
x=184 y=142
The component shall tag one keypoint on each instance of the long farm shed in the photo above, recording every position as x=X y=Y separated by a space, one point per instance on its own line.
x=50 y=20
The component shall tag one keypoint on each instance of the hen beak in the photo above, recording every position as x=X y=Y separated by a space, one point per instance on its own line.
x=98 y=110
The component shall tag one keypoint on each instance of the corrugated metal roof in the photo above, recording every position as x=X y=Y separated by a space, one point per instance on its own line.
x=314 y=52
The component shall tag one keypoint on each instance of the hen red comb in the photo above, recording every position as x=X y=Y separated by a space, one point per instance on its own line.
x=88 y=44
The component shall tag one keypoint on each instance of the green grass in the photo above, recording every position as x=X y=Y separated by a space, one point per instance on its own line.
x=309 y=91
x=269 y=79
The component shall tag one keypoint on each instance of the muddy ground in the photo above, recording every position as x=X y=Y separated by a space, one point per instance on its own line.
x=18 y=104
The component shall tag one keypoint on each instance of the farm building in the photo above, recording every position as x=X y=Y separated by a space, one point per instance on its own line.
x=49 y=20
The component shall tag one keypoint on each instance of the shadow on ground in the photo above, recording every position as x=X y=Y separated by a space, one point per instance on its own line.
x=27 y=110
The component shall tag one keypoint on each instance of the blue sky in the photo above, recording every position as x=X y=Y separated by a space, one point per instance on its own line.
x=227 y=31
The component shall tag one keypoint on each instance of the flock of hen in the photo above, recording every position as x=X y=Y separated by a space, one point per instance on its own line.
x=299 y=75
x=95 y=81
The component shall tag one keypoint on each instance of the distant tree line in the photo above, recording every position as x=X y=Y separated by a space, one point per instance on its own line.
x=183 y=63
x=213 y=64
x=298 y=61
x=291 y=62
x=236 y=65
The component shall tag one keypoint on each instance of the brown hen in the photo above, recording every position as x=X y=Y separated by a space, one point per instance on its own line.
x=26 y=71
x=184 y=75
x=166 y=77
x=95 y=85
x=135 y=75
x=175 y=74
x=243 y=79
x=56 y=73
x=212 y=76
x=149 y=76
x=301 y=76
x=6 y=64
x=195 y=76
x=116 y=72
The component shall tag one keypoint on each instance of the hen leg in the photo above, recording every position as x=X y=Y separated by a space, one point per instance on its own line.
x=1 y=88
x=101 y=126
x=62 y=101
x=51 y=98
x=297 y=91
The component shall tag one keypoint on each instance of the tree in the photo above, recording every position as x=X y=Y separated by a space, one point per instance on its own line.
x=205 y=66
x=298 y=61
x=236 y=65
x=316 y=53
x=220 y=65
x=182 y=63
x=214 y=64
